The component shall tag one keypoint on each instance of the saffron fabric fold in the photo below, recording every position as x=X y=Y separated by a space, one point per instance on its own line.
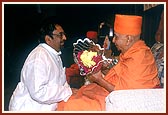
x=136 y=69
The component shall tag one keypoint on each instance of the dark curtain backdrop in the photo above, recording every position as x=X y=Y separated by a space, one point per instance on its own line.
x=151 y=19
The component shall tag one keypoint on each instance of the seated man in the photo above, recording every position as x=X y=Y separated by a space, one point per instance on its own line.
x=136 y=69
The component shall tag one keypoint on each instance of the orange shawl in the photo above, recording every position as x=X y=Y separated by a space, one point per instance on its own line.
x=136 y=69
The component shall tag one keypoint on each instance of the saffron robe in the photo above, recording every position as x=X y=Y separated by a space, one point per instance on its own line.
x=136 y=69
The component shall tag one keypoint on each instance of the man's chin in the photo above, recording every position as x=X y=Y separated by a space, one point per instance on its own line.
x=61 y=46
x=118 y=48
x=62 y=43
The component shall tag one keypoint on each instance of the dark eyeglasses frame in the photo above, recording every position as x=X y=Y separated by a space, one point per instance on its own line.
x=60 y=35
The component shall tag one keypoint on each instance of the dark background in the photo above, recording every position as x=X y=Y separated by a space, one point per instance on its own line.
x=22 y=22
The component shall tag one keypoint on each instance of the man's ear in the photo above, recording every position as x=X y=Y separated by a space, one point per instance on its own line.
x=48 y=39
x=129 y=39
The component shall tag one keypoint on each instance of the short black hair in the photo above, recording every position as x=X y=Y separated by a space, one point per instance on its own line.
x=47 y=27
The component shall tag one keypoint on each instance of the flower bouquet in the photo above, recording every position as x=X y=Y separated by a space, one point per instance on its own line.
x=88 y=56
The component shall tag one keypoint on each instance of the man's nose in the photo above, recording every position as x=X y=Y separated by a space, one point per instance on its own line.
x=113 y=40
x=64 y=37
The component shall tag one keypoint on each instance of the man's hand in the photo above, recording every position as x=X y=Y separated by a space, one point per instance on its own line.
x=106 y=67
x=95 y=77
x=74 y=91
x=99 y=79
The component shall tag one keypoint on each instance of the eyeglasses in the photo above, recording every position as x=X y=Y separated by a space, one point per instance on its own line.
x=60 y=35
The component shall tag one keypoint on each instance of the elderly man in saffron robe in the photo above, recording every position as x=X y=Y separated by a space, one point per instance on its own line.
x=136 y=69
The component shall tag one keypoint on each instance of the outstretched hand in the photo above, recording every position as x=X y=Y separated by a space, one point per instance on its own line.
x=95 y=77
x=99 y=79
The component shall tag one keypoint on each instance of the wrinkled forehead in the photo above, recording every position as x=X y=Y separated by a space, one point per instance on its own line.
x=118 y=34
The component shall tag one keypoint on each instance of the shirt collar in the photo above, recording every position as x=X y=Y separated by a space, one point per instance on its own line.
x=49 y=48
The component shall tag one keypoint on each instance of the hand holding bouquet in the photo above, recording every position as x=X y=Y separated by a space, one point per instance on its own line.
x=90 y=58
